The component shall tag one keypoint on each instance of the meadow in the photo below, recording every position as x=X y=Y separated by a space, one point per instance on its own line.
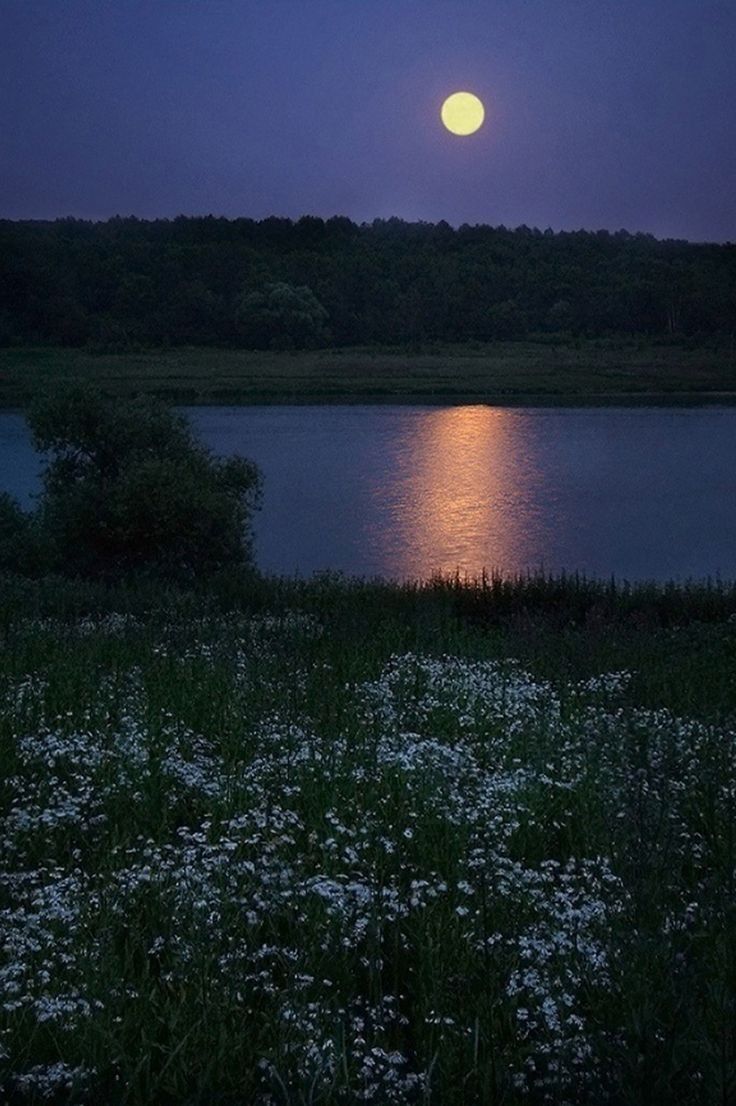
x=287 y=842
x=551 y=371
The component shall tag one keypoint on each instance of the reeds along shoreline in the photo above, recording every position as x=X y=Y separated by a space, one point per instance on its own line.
x=281 y=841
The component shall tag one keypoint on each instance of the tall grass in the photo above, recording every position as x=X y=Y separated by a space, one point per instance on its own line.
x=338 y=842
x=542 y=371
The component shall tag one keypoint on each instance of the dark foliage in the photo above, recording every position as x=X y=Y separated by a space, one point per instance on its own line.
x=282 y=317
x=21 y=545
x=278 y=283
x=127 y=488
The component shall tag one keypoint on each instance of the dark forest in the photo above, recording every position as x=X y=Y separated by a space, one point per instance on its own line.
x=282 y=284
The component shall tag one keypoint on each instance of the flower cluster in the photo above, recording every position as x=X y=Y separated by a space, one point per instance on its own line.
x=436 y=873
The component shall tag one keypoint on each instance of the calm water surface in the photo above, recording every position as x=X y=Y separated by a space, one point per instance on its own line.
x=407 y=491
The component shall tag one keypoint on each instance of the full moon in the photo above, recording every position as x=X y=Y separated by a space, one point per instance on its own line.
x=463 y=113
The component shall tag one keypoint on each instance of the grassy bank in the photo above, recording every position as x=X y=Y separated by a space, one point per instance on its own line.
x=510 y=372
x=334 y=842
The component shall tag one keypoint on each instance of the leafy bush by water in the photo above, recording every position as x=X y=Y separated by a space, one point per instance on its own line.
x=128 y=489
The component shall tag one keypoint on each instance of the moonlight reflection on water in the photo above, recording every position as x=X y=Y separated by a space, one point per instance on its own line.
x=462 y=495
x=405 y=491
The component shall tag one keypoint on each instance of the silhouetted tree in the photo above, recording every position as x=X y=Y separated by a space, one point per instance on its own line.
x=128 y=488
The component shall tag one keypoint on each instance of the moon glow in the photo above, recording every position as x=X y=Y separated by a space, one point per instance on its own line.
x=463 y=113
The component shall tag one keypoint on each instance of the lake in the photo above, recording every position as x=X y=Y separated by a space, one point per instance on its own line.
x=405 y=491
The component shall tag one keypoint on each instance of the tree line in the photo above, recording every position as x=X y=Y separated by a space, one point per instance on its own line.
x=278 y=283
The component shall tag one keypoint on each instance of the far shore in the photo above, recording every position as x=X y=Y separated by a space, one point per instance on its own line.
x=584 y=373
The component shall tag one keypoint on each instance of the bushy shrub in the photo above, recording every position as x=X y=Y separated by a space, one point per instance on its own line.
x=282 y=316
x=13 y=527
x=127 y=488
x=21 y=545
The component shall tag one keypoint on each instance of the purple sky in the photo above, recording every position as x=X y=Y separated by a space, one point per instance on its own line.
x=600 y=113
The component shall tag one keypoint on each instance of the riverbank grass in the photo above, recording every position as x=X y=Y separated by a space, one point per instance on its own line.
x=585 y=371
x=344 y=842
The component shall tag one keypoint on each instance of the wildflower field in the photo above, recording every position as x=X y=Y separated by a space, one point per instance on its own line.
x=333 y=842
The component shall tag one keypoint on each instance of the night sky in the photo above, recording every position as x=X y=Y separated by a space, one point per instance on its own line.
x=599 y=114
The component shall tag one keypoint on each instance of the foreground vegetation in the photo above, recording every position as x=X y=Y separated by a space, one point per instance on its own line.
x=332 y=842
x=585 y=371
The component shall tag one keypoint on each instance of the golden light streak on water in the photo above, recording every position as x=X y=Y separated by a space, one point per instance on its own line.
x=462 y=494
